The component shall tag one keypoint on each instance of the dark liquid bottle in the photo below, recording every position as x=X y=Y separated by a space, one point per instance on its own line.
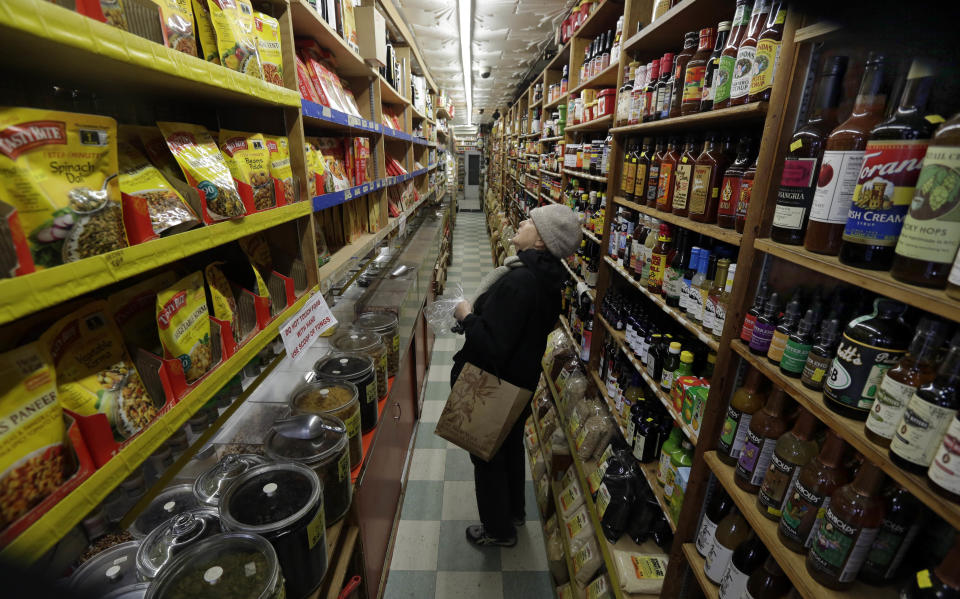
x=747 y=559
x=628 y=181
x=793 y=451
x=680 y=70
x=696 y=69
x=717 y=509
x=821 y=354
x=785 y=328
x=901 y=523
x=665 y=184
x=746 y=331
x=709 y=89
x=802 y=165
x=707 y=177
x=768 y=54
x=888 y=176
x=746 y=190
x=769 y=582
x=684 y=175
x=723 y=78
x=746 y=53
x=766 y=427
x=641 y=173
x=653 y=175
x=941 y=583
x=765 y=326
x=798 y=346
x=730 y=187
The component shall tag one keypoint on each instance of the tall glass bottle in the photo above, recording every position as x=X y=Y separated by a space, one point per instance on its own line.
x=672 y=278
x=709 y=88
x=850 y=525
x=712 y=295
x=664 y=87
x=695 y=311
x=707 y=177
x=746 y=401
x=686 y=284
x=717 y=509
x=821 y=355
x=746 y=191
x=650 y=91
x=895 y=155
x=768 y=54
x=653 y=174
x=765 y=428
x=792 y=452
x=770 y=582
x=746 y=52
x=785 y=328
x=842 y=157
x=723 y=303
x=641 y=173
x=628 y=180
x=765 y=326
x=801 y=167
x=728 y=57
x=665 y=184
x=899 y=383
x=929 y=413
x=696 y=69
x=731 y=532
x=750 y=318
x=747 y=559
x=680 y=70
x=798 y=346
x=730 y=187
x=941 y=583
x=901 y=523
x=679 y=205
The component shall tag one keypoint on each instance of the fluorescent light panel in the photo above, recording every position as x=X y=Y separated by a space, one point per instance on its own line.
x=465 y=62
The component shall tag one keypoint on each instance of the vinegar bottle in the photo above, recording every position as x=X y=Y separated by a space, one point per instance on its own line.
x=731 y=532
x=793 y=451
x=746 y=401
x=717 y=509
x=766 y=427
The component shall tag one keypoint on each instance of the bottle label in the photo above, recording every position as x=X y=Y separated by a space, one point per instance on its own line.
x=672 y=282
x=700 y=188
x=693 y=83
x=705 y=538
x=746 y=332
x=795 y=193
x=777 y=481
x=640 y=182
x=777 y=345
x=666 y=379
x=734 y=433
x=856 y=372
x=663 y=185
x=815 y=369
x=761 y=337
x=840 y=548
x=629 y=176
x=663 y=99
x=717 y=561
x=839 y=172
x=729 y=192
x=755 y=458
x=800 y=513
x=932 y=228
x=743 y=200
x=890 y=547
x=884 y=191
x=764 y=65
x=945 y=469
x=888 y=408
x=719 y=318
x=742 y=72
x=724 y=77
x=709 y=90
x=794 y=356
x=658 y=263
x=733 y=585
x=681 y=186
x=695 y=304
x=685 y=285
x=653 y=183
x=709 y=313
x=920 y=431
x=663 y=467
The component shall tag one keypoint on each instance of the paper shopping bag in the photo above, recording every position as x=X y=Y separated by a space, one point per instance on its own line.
x=480 y=412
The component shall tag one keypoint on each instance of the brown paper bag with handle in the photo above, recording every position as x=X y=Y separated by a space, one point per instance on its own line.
x=480 y=412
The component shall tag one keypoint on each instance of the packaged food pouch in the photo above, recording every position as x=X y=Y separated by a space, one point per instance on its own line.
x=95 y=374
x=640 y=573
x=586 y=559
x=33 y=458
x=60 y=174
x=205 y=32
x=156 y=149
x=233 y=23
x=110 y=12
x=176 y=21
x=184 y=325
x=267 y=32
x=316 y=170
x=205 y=169
x=133 y=310
x=248 y=158
x=224 y=303
x=331 y=149
x=151 y=206
x=280 y=168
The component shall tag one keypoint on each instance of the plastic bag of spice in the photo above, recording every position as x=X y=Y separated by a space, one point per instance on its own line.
x=439 y=313
x=555 y=560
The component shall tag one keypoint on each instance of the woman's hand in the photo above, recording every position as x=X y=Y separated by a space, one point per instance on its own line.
x=462 y=310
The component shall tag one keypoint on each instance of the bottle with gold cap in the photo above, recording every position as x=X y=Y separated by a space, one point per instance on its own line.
x=670 y=365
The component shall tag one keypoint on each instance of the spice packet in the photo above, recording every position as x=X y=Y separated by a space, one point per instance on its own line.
x=60 y=174
x=205 y=33
x=233 y=23
x=176 y=21
x=151 y=206
x=267 y=32
x=257 y=251
x=95 y=374
x=205 y=169
x=184 y=325
x=224 y=304
x=280 y=168
x=248 y=158
x=316 y=170
x=33 y=458
x=331 y=149
x=133 y=310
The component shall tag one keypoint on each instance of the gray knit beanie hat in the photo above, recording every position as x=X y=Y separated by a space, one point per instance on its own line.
x=558 y=228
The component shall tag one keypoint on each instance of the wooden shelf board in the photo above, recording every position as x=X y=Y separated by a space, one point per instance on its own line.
x=584 y=175
x=852 y=432
x=601 y=124
x=931 y=300
x=667 y=31
x=697 y=565
x=735 y=115
x=674 y=313
x=816 y=32
x=562 y=58
x=602 y=18
x=557 y=102
x=389 y=94
x=307 y=23
x=605 y=78
x=589 y=235
x=793 y=564
x=714 y=231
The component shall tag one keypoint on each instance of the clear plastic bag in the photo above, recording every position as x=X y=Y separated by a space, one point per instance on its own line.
x=439 y=313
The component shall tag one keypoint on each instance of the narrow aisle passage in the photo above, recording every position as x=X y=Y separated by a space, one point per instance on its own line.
x=431 y=557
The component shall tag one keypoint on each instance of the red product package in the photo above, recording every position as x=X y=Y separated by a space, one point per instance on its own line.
x=361 y=153
x=307 y=90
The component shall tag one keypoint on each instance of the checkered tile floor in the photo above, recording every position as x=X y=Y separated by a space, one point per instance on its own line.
x=431 y=557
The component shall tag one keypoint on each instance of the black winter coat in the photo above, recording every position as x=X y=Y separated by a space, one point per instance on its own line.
x=507 y=331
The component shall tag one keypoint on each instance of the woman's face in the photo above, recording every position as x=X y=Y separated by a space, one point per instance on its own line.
x=527 y=237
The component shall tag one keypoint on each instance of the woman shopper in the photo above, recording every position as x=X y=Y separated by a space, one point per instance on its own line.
x=506 y=334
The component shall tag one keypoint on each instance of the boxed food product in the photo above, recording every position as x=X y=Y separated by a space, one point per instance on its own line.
x=267 y=31
x=60 y=174
x=248 y=159
x=233 y=23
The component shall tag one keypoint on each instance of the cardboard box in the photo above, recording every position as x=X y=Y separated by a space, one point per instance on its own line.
x=372 y=30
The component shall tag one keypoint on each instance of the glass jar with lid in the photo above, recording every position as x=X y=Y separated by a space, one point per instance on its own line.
x=109 y=571
x=338 y=399
x=371 y=344
x=326 y=454
x=210 y=485
x=173 y=537
x=167 y=504
x=224 y=565
x=387 y=326
x=357 y=369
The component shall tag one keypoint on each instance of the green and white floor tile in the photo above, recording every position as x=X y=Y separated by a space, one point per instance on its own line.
x=431 y=556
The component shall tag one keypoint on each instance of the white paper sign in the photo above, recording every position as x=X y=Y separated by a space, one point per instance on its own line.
x=300 y=332
x=403 y=225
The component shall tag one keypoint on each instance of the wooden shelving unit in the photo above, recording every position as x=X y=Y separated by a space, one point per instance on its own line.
x=719 y=233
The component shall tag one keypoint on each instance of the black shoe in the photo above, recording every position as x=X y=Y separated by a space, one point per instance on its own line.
x=479 y=537
x=518 y=522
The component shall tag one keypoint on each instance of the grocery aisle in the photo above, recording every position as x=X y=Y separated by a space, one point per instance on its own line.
x=431 y=557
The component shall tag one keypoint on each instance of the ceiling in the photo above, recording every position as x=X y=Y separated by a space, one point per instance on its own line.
x=508 y=36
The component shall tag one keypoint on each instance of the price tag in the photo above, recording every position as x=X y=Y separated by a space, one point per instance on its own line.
x=304 y=327
x=347 y=194
x=402 y=226
x=366 y=188
x=796 y=145
x=935 y=119
x=326 y=112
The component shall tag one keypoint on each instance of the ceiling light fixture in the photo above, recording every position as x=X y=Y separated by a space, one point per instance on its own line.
x=465 y=61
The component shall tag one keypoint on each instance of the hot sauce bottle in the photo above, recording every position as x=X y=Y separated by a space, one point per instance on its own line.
x=850 y=525
x=746 y=331
x=696 y=69
x=665 y=184
x=709 y=88
x=650 y=91
x=680 y=70
x=765 y=428
x=746 y=401
x=802 y=164
x=746 y=189
x=684 y=173
x=707 y=177
x=728 y=58
x=730 y=186
x=792 y=452
x=641 y=173
x=653 y=175
x=885 y=188
x=743 y=67
x=810 y=493
x=768 y=54
x=628 y=181
x=664 y=87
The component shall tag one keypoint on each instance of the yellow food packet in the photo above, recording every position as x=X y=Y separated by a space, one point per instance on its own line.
x=205 y=32
x=280 y=168
x=257 y=250
x=267 y=31
x=184 y=325
x=155 y=147
x=95 y=374
x=151 y=206
x=233 y=23
x=248 y=158
x=133 y=309
x=176 y=21
x=221 y=293
x=59 y=170
x=205 y=169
